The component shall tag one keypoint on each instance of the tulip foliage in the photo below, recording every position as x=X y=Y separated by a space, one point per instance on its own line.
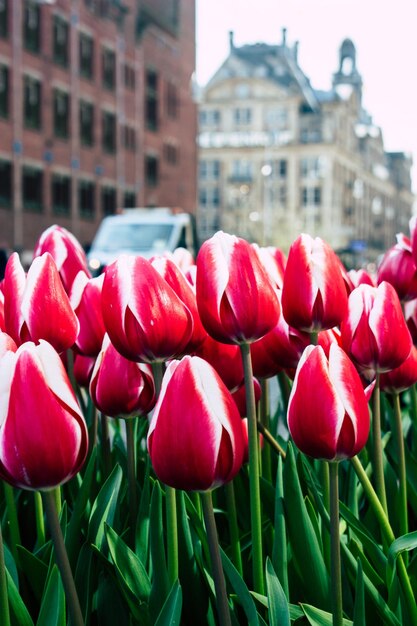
x=126 y=406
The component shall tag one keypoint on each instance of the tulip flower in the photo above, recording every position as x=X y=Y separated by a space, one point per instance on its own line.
x=314 y=295
x=36 y=306
x=399 y=269
x=6 y=344
x=328 y=414
x=119 y=387
x=66 y=251
x=195 y=438
x=1 y=310
x=274 y=261
x=410 y=314
x=361 y=277
x=83 y=368
x=85 y=298
x=235 y=296
x=176 y=279
x=144 y=317
x=401 y=377
x=43 y=436
x=226 y=360
x=374 y=332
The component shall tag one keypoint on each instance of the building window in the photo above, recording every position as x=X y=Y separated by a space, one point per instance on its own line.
x=86 y=123
x=129 y=75
x=86 y=51
x=109 y=68
x=242 y=116
x=60 y=45
x=129 y=199
x=61 y=114
x=277 y=118
x=151 y=170
x=108 y=200
x=5 y=183
x=151 y=100
x=242 y=169
x=31 y=26
x=171 y=153
x=129 y=138
x=172 y=101
x=4 y=91
x=209 y=197
x=86 y=199
x=32 y=103
x=108 y=121
x=209 y=117
x=311 y=196
x=310 y=167
x=209 y=169
x=32 y=189
x=61 y=194
x=279 y=168
x=4 y=21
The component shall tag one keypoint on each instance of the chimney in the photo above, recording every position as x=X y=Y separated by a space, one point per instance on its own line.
x=284 y=37
x=231 y=42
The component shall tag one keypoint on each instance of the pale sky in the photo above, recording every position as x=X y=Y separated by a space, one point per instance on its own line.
x=384 y=34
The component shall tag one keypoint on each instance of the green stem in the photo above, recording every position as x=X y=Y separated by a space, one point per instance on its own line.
x=14 y=530
x=58 y=500
x=131 y=475
x=62 y=559
x=402 y=471
x=378 y=460
x=284 y=385
x=336 y=568
x=216 y=562
x=105 y=444
x=172 y=533
x=233 y=526
x=327 y=540
x=264 y=419
x=270 y=439
x=40 y=523
x=158 y=373
x=388 y=535
x=413 y=396
x=4 y=601
x=254 y=489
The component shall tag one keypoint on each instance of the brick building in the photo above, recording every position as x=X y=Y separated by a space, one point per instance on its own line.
x=96 y=112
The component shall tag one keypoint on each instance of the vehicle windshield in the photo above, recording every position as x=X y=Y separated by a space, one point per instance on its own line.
x=133 y=237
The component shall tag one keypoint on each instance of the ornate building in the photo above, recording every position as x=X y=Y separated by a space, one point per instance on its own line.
x=96 y=112
x=278 y=157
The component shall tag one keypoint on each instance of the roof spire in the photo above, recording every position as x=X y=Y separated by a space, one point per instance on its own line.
x=284 y=36
x=231 y=39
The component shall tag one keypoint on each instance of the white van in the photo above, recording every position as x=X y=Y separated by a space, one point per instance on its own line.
x=141 y=231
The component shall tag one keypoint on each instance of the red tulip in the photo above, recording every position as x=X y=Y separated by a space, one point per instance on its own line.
x=401 y=377
x=2 y=327
x=183 y=259
x=85 y=298
x=195 y=438
x=144 y=317
x=410 y=314
x=176 y=279
x=328 y=415
x=6 y=344
x=398 y=268
x=327 y=337
x=226 y=360
x=66 y=251
x=83 y=368
x=119 y=387
x=361 y=277
x=274 y=261
x=36 y=306
x=374 y=332
x=43 y=436
x=314 y=295
x=235 y=297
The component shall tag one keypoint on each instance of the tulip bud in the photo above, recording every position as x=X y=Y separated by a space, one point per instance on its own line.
x=43 y=436
x=36 y=306
x=398 y=268
x=119 y=387
x=374 y=332
x=235 y=296
x=401 y=377
x=66 y=251
x=328 y=415
x=314 y=295
x=144 y=317
x=85 y=298
x=195 y=438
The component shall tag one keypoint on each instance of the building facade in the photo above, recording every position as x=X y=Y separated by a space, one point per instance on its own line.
x=277 y=157
x=96 y=112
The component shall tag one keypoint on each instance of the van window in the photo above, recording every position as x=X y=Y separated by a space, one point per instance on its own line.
x=133 y=237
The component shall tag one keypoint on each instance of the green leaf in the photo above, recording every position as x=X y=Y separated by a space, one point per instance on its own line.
x=142 y=525
x=19 y=614
x=52 y=612
x=317 y=617
x=135 y=583
x=104 y=507
x=35 y=570
x=279 y=549
x=160 y=583
x=305 y=547
x=359 y=617
x=85 y=578
x=170 y=614
x=240 y=589
x=402 y=544
x=111 y=606
x=278 y=610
